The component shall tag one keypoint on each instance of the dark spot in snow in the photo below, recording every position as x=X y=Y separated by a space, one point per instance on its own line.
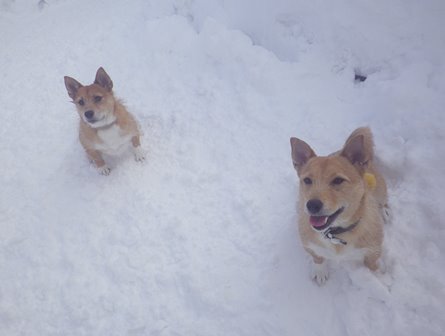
x=359 y=77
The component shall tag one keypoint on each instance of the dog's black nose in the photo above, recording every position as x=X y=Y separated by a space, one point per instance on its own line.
x=89 y=114
x=314 y=206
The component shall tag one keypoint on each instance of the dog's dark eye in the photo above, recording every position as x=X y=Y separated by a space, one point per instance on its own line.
x=307 y=181
x=97 y=99
x=338 y=181
x=81 y=102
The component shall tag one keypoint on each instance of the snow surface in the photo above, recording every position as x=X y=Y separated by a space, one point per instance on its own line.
x=201 y=239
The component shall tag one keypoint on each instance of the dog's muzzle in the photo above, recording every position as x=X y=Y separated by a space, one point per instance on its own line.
x=321 y=223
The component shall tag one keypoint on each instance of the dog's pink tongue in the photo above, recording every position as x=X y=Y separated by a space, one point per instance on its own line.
x=317 y=221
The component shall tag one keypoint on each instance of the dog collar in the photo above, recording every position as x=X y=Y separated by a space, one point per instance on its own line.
x=104 y=127
x=331 y=233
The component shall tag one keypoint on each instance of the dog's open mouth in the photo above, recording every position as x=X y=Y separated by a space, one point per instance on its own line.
x=320 y=223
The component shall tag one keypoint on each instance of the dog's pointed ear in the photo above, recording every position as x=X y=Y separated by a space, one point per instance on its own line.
x=354 y=150
x=72 y=86
x=301 y=153
x=359 y=148
x=103 y=79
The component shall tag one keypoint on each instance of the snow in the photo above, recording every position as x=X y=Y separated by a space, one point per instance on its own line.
x=201 y=239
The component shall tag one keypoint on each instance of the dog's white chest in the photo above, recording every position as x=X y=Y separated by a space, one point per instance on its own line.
x=328 y=251
x=113 y=141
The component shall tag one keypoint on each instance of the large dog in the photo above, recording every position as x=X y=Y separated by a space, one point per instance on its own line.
x=342 y=203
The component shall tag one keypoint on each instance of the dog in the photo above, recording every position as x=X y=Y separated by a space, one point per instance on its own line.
x=342 y=203
x=106 y=127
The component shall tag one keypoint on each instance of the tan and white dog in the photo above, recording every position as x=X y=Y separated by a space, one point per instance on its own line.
x=342 y=203
x=106 y=127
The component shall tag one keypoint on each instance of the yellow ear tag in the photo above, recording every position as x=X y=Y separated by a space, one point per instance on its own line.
x=370 y=180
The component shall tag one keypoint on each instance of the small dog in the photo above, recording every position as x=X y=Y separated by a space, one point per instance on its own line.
x=342 y=203
x=106 y=127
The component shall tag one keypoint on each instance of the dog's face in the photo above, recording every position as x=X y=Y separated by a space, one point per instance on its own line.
x=332 y=187
x=331 y=190
x=95 y=102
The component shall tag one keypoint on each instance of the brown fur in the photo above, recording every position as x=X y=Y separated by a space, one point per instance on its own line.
x=361 y=202
x=98 y=98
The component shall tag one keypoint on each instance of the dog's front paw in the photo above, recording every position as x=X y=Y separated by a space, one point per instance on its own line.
x=104 y=170
x=139 y=154
x=320 y=273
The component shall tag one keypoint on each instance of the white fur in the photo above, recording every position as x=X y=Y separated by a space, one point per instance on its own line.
x=320 y=273
x=327 y=251
x=113 y=142
x=104 y=170
x=139 y=154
